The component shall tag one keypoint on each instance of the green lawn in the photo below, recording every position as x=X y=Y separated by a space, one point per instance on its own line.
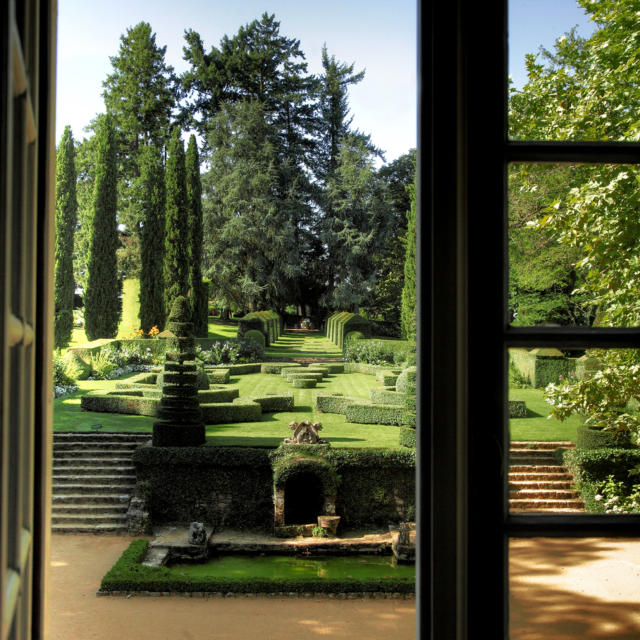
x=68 y=415
x=303 y=345
x=537 y=426
x=222 y=330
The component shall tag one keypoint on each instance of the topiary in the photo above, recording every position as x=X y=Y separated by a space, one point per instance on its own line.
x=76 y=367
x=354 y=335
x=253 y=335
x=406 y=382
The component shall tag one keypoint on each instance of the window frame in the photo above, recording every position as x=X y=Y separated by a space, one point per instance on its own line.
x=464 y=157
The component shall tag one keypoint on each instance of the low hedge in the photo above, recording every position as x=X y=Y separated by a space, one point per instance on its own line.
x=286 y=370
x=128 y=574
x=277 y=367
x=127 y=402
x=374 y=414
x=334 y=403
x=237 y=369
x=208 y=396
x=317 y=369
x=517 y=409
x=304 y=383
x=240 y=411
x=408 y=437
x=381 y=396
x=275 y=402
x=407 y=380
x=598 y=438
x=304 y=375
x=218 y=376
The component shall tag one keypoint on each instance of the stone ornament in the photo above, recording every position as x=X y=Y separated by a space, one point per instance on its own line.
x=305 y=433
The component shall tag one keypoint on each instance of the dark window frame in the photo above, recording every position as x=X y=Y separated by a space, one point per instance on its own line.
x=463 y=455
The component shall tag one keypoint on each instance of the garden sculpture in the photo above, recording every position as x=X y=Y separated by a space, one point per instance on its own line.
x=305 y=433
x=197 y=533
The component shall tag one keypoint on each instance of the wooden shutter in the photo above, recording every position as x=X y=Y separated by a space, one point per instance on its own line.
x=27 y=57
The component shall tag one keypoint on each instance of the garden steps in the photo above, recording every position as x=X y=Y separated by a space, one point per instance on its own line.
x=93 y=480
x=538 y=481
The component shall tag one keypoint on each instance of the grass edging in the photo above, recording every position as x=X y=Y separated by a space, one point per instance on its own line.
x=129 y=575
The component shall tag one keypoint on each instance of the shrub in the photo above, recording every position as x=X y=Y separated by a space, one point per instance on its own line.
x=218 y=376
x=61 y=377
x=277 y=367
x=374 y=414
x=76 y=367
x=354 y=335
x=380 y=352
x=255 y=336
x=231 y=352
x=598 y=438
x=304 y=383
x=334 y=403
x=408 y=437
x=242 y=411
x=275 y=402
x=102 y=365
x=304 y=375
x=406 y=382
x=517 y=409
x=388 y=397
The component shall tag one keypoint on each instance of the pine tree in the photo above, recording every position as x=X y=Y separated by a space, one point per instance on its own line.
x=152 y=202
x=194 y=193
x=409 y=290
x=66 y=215
x=102 y=298
x=177 y=236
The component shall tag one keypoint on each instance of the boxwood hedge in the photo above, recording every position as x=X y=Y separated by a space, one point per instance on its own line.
x=374 y=413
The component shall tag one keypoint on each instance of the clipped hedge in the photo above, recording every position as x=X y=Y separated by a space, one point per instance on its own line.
x=596 y=438
x=275 y=402
x=542 y=366
x=407 y=380
x=334 y=403
x=277 y=367
x=374 y=414
x=343 y=322
x=408 y=437
x=517 y=409
x=304 y=375
x=218 y=376
x=208 y=396
x=255 y=336
x=381 y=396
x=388 y=378
x=266 y=322
x=242 y=410
x=125 y=401
x=128 y=574
x=236 y=369
x=304 y=383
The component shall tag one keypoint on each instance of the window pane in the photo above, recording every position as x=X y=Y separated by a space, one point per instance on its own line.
x=574 y=588
x=574 y=423
x=574 y=74
x=574 y=245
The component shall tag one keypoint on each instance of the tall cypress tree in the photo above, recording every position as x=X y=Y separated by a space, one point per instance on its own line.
x=66 y=215
x=194 y=194
x=408 y=316
x=152 y=203
x=177 y=236
x=102 y=297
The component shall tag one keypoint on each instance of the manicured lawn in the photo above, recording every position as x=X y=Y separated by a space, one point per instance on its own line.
x=537 y=427
x=222 y=330
x=273 y=428
x=302 y=344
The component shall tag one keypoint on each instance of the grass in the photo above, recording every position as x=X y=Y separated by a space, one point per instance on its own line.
x=301 y=344
x=537 y=426
x=222 y=330
x=269 y=432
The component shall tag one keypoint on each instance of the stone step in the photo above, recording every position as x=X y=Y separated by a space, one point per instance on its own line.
x=102 y=498
x=96 y=471
x=93 y=462
x=80 y=508
x=109 y=528
x=546 y=504
x=87 y=435
x=543 y=494
x=533 y=457
x=540 y=484
x=551 y=476
x=91 y=489
x=534 y=510
x=95 y=479
x=80 y=452
x=104 y=445
x=116 y=519
x=542 y=445
x=536 y=468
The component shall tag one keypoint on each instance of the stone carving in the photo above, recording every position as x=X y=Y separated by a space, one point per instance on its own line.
x=305 y=433
x=197 y=533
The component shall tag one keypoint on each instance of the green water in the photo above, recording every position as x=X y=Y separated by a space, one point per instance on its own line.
x=332 y=568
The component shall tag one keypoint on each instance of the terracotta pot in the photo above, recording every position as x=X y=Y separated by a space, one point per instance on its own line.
x=330 y=523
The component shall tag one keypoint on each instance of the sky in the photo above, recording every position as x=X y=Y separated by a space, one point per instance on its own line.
x=379 y=36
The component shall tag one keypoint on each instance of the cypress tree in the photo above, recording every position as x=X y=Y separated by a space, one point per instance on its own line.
x=102 y=297
x=194 y=194
x=66 y=216
x=409 y=292
x=152 y=203
x=176 y=257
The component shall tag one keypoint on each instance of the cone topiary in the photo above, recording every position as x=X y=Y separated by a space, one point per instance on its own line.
x=180 y=418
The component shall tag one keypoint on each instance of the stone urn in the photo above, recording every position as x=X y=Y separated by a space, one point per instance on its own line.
x=329 y=524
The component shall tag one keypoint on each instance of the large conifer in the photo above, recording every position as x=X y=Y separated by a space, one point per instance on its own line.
x=152 y=203
x=176 y=258
x=66 y=215
x=194 y=194
x=409 y=291
x=102 y=298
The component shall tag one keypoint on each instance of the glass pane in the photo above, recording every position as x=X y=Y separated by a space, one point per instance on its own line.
x=572 y=589
x=574 y=245
x=574 y=72
x=574 y=423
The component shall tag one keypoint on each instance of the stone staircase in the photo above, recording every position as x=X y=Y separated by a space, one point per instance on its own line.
x=538 y=482
x=93 y=479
